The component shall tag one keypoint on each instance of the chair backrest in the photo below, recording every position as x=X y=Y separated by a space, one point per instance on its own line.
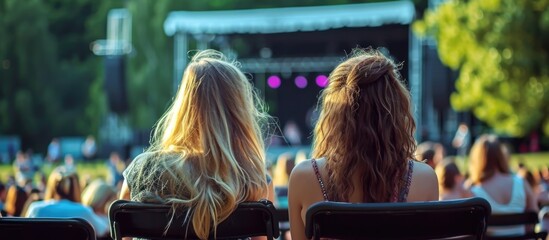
x=526 y=218
x=149 y=220
x=45 y=228
x=456 y=219
x=284 y=221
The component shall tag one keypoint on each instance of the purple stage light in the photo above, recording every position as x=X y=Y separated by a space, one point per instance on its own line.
x=301 y=82
x=322 y=81
x=274 y=81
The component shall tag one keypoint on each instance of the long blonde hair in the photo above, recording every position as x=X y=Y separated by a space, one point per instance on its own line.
x=209 y=143
x=365 y=127
x=98 y=195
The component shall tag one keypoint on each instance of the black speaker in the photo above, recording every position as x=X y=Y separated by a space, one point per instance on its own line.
x=440 y=78
x=115 y=83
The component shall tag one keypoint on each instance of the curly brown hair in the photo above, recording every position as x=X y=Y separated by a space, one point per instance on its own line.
x=365 y=127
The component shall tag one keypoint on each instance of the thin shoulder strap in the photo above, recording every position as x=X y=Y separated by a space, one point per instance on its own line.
x=403 y=195
x=319 y=178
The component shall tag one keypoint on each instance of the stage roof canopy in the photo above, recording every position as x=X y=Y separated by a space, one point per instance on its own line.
x=291 y=19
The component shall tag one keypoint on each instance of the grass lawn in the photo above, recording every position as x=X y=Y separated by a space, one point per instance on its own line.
x=91 y=170
x=533 y=161
x=98 y=169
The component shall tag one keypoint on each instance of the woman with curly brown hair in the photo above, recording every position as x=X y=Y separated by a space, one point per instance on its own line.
x=363 y=147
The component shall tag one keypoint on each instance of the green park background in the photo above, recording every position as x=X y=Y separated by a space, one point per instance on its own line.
x=51 y=84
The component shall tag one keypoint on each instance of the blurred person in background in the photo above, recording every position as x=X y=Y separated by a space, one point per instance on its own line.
x=63 y=199
x=69 y=163
x=99 y=195
x=292 y=133
x=15 y=201
x=33 y=196
x=430 y=152
x=89 y=148
x=462 y=140
x=54 y=151
x=3 y=193
x=493 y=180
x=23 y=168
x=283 y=167
x=282 y=170
x=116 y=168
x=450 y=180
x=534 y=180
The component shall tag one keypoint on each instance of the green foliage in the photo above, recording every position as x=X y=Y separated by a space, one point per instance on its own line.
x=27 y=52
x=52 y=85
x=47 y=71
x=501 y=50
x=150 y=66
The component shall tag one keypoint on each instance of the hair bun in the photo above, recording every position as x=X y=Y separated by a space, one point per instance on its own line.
x=375 y=68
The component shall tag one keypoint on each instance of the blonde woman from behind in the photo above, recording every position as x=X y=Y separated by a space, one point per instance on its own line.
x=207 y=150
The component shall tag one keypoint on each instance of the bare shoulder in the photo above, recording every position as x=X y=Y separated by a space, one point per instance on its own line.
x=423 y=169
x=424 y=174
x=303 y=170
x=424 y=183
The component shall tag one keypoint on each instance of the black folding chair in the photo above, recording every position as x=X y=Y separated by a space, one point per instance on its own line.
x=45 y=228
x=148 y=220
x=516 y=219
x=284 y=221
x=455 y=219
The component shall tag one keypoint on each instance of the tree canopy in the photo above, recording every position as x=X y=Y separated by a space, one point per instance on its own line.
x=501 y=49
x=52 y=85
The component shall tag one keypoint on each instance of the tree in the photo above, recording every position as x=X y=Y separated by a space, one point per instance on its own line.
x=500 y=48
x=49 y=84
x=27 y=52
x=52 y=85
x=150 y=67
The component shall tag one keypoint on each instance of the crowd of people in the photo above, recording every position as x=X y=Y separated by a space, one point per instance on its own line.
x=208 y=154
x=34 y=191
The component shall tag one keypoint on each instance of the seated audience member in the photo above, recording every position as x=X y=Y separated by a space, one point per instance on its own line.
x=541 y=194
x=283 y=168
x=62 y=199
x=492 y=179
x=450 y=181
x=99 y=195
x=430 y=152
x=363 y=148
x=23 y=168
x=34 y=195
x=116 y=167
x=3 y=193
x=15 y=201
x=207 y=153
x=528 y=176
